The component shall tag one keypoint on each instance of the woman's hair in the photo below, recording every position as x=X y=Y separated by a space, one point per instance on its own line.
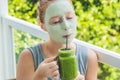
x=41 y=9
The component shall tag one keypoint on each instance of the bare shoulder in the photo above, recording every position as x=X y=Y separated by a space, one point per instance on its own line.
x=25 y=66
x=25 y=58
x=25 y=54
x=92 y=66
x=92 y=55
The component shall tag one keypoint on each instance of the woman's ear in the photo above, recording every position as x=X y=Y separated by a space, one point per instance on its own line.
x=43 y=27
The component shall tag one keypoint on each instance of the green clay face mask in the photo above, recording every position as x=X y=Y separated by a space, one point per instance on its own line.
x=66 y=28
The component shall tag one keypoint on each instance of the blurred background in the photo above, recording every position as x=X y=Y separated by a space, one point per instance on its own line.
x=98 y=24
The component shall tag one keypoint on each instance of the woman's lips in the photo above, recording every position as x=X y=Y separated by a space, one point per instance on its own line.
x=67 y=36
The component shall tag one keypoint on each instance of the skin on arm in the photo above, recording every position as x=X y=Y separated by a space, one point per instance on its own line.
x=25 y=67
x=92 y=66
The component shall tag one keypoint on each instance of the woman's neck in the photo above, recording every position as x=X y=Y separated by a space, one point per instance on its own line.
x=51 y=48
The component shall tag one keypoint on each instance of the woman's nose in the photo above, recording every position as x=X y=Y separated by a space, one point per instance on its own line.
x=65 y=25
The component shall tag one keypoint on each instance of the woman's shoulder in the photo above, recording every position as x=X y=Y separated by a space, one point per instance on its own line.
x=92 y=65
x=25 y=55
x=25 y=64
x=92 y=56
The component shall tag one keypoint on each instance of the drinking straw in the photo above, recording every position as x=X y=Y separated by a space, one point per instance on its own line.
x=66 y=43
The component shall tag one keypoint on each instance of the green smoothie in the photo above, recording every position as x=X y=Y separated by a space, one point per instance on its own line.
x=67 y=64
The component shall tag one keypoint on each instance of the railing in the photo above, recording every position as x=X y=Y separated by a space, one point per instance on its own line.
x=7 y=54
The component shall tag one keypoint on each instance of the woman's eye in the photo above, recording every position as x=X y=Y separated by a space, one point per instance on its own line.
x=69 y=17
x=56 y=22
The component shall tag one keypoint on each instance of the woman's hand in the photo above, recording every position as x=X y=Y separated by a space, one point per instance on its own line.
x=80 y=77
x=48 y=68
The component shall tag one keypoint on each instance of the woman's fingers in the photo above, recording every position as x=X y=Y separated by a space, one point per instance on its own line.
x=52 y=68
x=56 y=75
x=48 y=60
x=52 y=64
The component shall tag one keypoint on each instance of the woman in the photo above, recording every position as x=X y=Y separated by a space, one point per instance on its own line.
x=57 y=17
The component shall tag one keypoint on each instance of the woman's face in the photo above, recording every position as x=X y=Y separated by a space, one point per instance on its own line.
x=60 y=21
